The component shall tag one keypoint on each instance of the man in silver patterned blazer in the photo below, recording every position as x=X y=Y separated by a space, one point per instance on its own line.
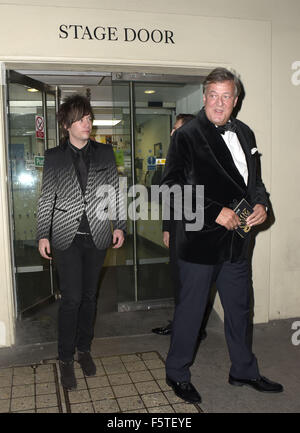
x=79 y=216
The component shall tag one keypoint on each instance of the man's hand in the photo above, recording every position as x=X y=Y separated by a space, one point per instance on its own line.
x=228 y=219
x=166 y=239
x=257 y=217
x=44 y=248
x=118 y=238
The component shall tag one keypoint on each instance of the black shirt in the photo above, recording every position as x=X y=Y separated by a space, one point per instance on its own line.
x=81 y=161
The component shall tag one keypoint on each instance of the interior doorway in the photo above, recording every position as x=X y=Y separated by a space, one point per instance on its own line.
x=133 y=112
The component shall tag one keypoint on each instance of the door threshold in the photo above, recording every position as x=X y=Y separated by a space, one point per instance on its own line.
x=151 y=304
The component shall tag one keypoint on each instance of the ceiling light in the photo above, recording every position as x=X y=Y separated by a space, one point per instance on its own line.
x=106 y=122
x=32 y=89
x=149 y=92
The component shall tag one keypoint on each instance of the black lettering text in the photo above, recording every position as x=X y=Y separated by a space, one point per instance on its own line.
x=147 y=36
x=143 y=35
x=102 y=35
x=86 y=32
x=169 y=36
x=129 y=33
x=112 y=33
x=75 y=30
x=63 y=29
x=156 y=36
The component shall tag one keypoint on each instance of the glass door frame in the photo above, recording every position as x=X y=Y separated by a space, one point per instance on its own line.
x=132 y=79
x=14 y=77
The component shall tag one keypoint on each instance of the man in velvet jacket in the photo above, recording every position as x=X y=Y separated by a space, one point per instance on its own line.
x=220 y=153
x=75 y=226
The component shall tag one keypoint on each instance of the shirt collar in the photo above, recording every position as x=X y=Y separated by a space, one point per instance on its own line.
x=75 y=149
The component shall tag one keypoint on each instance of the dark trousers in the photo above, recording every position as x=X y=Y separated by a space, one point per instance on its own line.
x=175 y=275
x=232 y=282
x=78 y=269
x=173 y=261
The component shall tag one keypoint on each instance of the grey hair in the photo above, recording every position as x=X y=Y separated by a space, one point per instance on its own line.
x=219 y=75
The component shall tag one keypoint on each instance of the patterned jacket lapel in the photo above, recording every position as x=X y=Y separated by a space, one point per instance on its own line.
x=97 y=163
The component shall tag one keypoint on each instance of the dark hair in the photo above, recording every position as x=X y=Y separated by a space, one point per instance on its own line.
x=185 y=117
x=74 y=108
x=219 y=75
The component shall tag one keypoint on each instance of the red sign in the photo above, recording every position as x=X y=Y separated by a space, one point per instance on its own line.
x=39 y=127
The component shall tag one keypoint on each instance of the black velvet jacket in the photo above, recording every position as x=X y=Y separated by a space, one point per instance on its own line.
x=198 y=155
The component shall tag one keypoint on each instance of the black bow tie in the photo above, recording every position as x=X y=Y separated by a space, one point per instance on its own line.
x=229 y=126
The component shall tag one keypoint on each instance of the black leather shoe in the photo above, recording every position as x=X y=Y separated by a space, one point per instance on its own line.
x=261 y=384
x=86 y=363
x=67 y=375
x=166 y=330
x=184 y=390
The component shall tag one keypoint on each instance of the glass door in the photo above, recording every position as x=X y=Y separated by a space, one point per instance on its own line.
x=32 y=129
x=146 y=106
x=122 y=145
x=152 y=138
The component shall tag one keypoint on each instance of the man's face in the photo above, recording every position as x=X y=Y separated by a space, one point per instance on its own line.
x=219 y=101
x=177 y=125
x=80 y=131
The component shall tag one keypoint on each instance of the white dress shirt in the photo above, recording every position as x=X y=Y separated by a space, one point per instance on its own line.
x=237 y=153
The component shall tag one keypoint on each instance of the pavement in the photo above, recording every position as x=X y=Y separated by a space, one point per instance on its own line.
x=131 y=375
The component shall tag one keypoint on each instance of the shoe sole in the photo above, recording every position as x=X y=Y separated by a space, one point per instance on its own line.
x=234 y=383
x=184 y=399
x=161 y=333
x=69 y=388
x=88 y=375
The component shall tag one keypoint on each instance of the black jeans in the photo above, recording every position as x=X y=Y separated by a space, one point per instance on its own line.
x=78 y=269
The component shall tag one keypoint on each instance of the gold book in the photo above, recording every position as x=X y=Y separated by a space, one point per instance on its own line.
x=243 y=210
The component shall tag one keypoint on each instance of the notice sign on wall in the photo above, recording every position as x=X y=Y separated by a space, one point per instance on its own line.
x=151 y=163
x=39 y=161
x=39 y=127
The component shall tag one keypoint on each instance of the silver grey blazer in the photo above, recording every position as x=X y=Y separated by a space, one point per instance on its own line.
x=62 y=203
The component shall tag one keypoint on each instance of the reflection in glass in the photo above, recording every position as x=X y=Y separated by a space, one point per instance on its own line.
x=26 y=156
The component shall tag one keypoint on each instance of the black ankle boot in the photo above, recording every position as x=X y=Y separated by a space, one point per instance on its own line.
x=67 y=375
x=87 y=364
